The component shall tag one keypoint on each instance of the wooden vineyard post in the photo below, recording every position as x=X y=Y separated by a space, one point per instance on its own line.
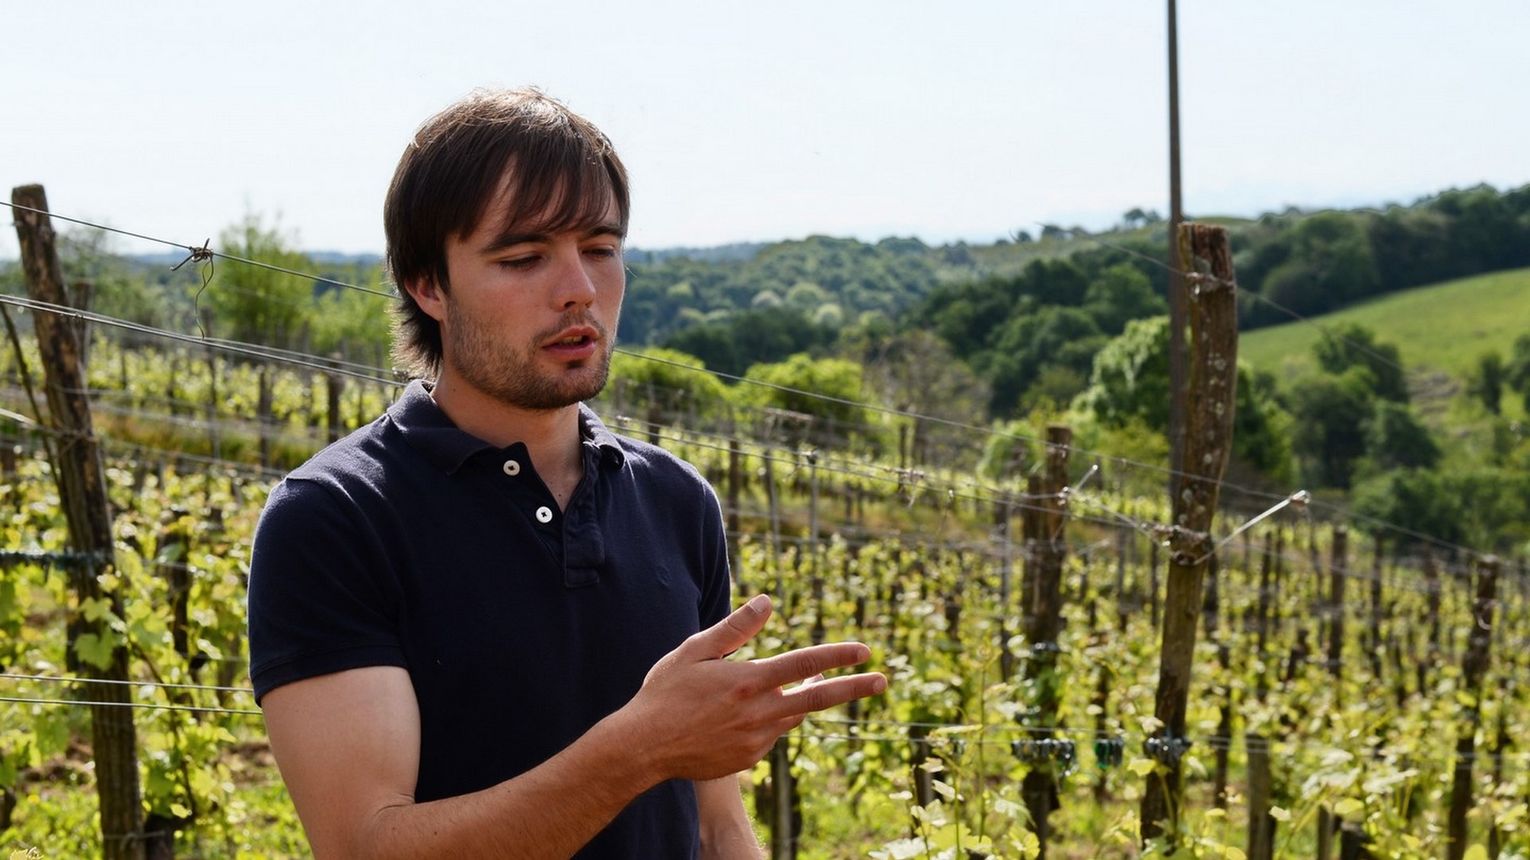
x=82 y=484
x=334 y=388
x=1046 y=548
x=1004 y=517
x=1373 y=641
x=172 y=396
x=783 y=785
x=1337 y=573
x=1122 y=609
x=1474 y=666
x=172 y=552
x=1352 y=843
x=1212 y=613
x=1261 y=826
x=1208 y=442
x=263 y=409
x=1424 y=668
x=735 y=482
x=815 y=551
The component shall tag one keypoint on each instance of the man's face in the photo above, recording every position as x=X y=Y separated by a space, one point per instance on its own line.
x=530 y=316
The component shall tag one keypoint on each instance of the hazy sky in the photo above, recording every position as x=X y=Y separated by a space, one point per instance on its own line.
x=766 y=120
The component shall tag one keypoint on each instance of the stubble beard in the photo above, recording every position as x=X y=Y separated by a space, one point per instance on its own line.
x=512 y=375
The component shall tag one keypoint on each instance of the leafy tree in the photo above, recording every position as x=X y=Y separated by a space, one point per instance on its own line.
x=1416 y=499
x=800 y=377
x=1517 y=373
x=1261 y=429
x=352 y=323
x=1395 y=439
x=1137 y=217
x=762 y=334
x=1051 y=282
x=1484 y=506
x=915 y=371
x=1486 y=381
x=1130 y=377
x=663 y=383
x=1495 y=505
x=1052 y=336
x=1119 y=294
x=1354 y=345
x=255 y=304
x=1330 y=413
x=1056 y=385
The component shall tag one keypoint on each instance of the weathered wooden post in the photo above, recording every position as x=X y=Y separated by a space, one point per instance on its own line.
x=735 y=484
x=1212 y=612
x=263 y=409
x=1003 y=518
x=1046 y=548
x=334 y=388
x=1373 y=639
x=1261 y=826
x=1473 y=666
x=82 y=484
x=1338 y=572
x=1208 y=442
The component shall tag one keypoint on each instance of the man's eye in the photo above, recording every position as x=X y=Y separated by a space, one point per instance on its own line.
x=602 y=251
x=519 y=263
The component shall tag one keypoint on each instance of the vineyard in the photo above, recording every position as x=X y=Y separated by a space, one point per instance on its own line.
x=1357 y=688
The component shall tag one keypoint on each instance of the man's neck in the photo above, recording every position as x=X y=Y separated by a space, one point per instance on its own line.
x=551 y=436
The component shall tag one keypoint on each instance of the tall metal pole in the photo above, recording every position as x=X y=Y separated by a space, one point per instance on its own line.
x=1178 y=384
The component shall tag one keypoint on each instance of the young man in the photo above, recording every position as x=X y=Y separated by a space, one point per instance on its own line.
x=483 y=626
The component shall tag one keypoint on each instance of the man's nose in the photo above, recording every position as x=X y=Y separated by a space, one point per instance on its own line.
x=575 y=286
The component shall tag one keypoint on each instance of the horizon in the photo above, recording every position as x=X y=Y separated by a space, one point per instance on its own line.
x=152 y=251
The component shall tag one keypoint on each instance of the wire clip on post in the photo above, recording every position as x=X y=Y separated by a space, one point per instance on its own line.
x=1109 y=752
x=1168 y=750
x=1055 y=750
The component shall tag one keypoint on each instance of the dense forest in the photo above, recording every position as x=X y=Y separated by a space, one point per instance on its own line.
x=1062 y=321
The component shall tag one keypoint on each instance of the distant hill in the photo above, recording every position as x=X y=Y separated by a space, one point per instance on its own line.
x=1440 y=328
x=738 y=252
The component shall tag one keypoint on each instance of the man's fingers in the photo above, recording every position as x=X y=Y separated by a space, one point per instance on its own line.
x=804 y=663
x=730 y=634
x=830 y=692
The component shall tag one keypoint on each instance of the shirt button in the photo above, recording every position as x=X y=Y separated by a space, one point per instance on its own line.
x=544 y=515
x=512 y=468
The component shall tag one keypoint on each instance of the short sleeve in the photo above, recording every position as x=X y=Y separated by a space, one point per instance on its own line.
x=717 y=586
x=322 y=598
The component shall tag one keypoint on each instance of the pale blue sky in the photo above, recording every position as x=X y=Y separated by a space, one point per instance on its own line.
x=766 y=120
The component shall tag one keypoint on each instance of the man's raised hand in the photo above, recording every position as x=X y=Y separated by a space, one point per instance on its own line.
x=699 y=716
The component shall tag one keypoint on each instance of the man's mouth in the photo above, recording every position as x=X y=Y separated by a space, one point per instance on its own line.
x=573 y=342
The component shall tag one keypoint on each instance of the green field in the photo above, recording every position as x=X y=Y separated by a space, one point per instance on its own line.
x=1440 y=328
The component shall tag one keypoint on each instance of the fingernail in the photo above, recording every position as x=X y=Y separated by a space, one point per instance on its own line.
x=759 y=603
x=878 y=685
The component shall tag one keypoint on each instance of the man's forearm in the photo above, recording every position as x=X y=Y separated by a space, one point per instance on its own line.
x=550 y=811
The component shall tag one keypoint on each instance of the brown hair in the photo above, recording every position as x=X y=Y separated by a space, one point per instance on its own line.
x=559 y=171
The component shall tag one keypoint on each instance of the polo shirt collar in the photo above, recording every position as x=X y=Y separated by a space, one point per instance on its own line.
x=429 y=431
x=595 y=435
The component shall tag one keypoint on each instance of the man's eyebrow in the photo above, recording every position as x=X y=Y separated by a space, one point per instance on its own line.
x=508 y=240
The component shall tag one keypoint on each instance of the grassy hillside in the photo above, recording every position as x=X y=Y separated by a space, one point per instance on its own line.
x=1439 y=328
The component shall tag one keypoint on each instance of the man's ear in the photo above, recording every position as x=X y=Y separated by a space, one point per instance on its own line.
x=428 y=295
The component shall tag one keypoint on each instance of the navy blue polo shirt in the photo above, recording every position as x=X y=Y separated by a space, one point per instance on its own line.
x=412 y=543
